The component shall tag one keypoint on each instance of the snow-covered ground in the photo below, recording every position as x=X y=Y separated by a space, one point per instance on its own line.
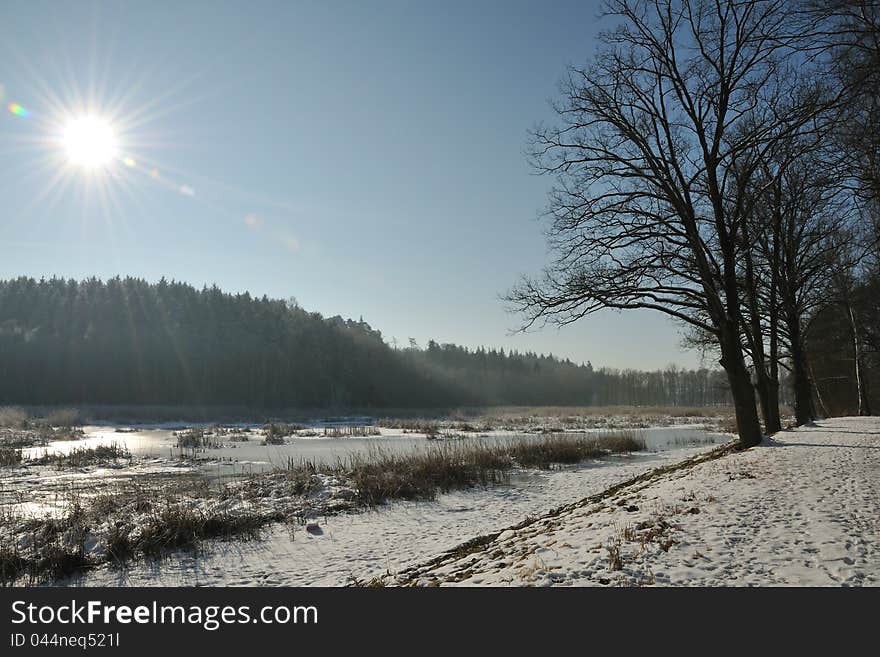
x=372 y=543
x=800 y=509
x=146 y=468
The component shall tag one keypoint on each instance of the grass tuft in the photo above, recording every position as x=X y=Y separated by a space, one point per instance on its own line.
x=176 y=526
x=84 y=456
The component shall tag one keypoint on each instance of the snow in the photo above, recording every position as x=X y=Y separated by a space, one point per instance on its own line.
x=801 y=509
x=372 y=543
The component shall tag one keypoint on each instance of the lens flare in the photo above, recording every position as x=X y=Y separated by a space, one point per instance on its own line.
x=18 y=110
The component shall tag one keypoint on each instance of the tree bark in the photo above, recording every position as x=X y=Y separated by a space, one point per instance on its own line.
x=803 y=386
x=755 y=337
x=740 y=388
x=775 y=419
x=774 y=422
x=861 y=388
x=768 y=396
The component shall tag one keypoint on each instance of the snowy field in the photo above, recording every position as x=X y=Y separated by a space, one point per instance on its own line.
x=801 y=509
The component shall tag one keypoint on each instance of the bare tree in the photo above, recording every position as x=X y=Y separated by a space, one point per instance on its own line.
x=644 y=158
x=758 y=279
x=850 y=256
x=805 y=212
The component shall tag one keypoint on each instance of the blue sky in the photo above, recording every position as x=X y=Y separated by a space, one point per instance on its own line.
x=363 y=157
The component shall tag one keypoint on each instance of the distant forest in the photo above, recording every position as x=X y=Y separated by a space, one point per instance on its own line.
x=128 y=341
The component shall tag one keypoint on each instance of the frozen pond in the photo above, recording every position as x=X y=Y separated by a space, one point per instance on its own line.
x=251 y=455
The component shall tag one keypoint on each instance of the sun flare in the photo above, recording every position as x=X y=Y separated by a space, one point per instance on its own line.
x=89 y=142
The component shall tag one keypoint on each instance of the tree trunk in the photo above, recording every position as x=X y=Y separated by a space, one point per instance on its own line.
x=818 y=392
x=803 y=386
x=741 y=389
x=861 y=388
x=802 y=383
x=774 y=423
x=768 y=395
x=755 y=336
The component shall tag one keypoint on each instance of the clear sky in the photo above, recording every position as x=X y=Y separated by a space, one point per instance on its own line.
x=363 y=157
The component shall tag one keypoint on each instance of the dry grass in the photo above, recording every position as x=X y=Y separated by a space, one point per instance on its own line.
x=657 y=530
x=84 y=456
x=351 y=432
x=54 y=562
x=177 y=526
x=417 y=425
x=197 y=438
x=278 y=430
x=615 y=558
x=443 y=466
x=562 y=448
x=52 y=548
x=440 y=468
x=9 y=456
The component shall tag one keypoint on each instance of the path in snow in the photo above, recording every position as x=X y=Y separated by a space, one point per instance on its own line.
x=800 y=509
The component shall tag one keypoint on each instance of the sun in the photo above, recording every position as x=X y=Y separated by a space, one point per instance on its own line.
x=89 y=142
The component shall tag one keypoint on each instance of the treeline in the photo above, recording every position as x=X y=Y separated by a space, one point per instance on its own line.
x=127 y=341
x=719 y=161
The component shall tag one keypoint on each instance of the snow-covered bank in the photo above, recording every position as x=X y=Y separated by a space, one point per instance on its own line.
x=801 y=509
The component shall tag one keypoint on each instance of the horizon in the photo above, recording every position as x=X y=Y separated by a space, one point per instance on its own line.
x=367 y=163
